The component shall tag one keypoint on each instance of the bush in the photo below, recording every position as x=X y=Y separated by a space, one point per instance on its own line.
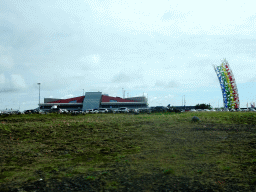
x=195 y=119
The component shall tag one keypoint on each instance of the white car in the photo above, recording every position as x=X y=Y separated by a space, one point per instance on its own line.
x=212 y=110
x=92 y=111
x=206 y=110
x=123 y=110
x=63 y=111
x=193 y=110
x=103 y=110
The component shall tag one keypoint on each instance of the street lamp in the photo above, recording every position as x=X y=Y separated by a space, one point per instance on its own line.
x=39 y=94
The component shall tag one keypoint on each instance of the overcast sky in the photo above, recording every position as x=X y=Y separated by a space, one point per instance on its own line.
x=165 y=49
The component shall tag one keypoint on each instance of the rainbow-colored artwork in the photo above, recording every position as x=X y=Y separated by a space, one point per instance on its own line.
x=228 y=86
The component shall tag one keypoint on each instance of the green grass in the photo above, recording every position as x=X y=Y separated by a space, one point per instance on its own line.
x=218 y=147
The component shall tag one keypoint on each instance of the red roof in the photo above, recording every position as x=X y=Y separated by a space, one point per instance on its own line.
x=103 y=99
x=118 y=99
x=77 y=99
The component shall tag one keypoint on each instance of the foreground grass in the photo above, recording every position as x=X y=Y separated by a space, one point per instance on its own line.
x=218 y=151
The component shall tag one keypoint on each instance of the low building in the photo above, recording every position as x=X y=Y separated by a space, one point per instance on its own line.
x=94 y=100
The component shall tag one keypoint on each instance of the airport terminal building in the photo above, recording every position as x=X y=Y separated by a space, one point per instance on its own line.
x=94 y=100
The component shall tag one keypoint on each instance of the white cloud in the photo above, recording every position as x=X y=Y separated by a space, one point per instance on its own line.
x=6 y=61
x=18 y=81
x=95 y=58
x=67 y=96
x=2 y=79
x=91 y=59
x=169 y=17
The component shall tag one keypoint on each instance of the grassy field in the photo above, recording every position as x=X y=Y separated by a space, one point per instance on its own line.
x=127 y=152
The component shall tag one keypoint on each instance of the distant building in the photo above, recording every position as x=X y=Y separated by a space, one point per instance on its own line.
x=94 y=100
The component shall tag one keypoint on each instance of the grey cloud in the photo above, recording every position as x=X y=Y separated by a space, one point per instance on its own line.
x=121 y=78
x=172 y=16
x=159 y=84
x=252 y=79
x=170 y=84
x=8 y=90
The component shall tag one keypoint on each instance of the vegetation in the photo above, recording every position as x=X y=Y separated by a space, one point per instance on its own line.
x=203 y=106
x=125 y=151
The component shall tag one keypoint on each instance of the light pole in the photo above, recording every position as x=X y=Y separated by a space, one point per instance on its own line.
x=184 y=103
x=39 y=94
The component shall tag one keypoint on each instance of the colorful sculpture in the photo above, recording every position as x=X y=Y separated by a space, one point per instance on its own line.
x=228 y=86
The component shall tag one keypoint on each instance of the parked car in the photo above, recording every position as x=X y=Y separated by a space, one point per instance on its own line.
x=81 y=112
x=238 y=110
x=65 y=111
x=144 y=110
x=103 y=110
x=89 y=111
x=212 y=110
x=159 y=109
x=123 y=110
x=115 y=110
x=135 y=110
x=93 y=111
x=152 y=109
x=232 y=110
x=207 y=110
x=131 y=110
x=75 y=112
x=30 y=111
x=111 y=110
x=193 y=110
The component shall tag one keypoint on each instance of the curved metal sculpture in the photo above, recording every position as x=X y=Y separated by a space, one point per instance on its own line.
x=228 y=85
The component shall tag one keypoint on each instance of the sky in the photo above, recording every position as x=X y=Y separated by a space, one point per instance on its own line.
x=162 y=49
